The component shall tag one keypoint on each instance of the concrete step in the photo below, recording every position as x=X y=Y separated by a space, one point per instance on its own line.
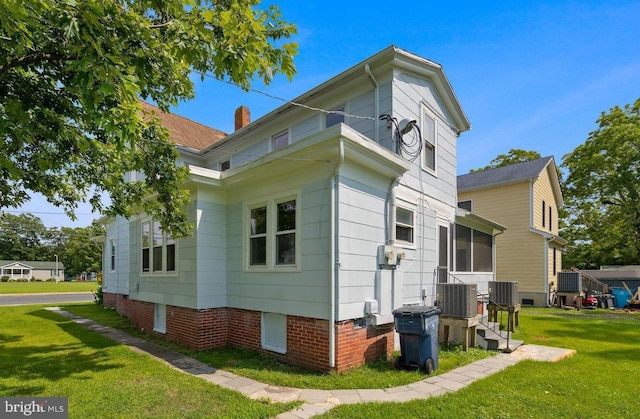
x=491 y=338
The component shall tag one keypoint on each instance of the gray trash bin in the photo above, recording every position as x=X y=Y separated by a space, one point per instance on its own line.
x=418 y=330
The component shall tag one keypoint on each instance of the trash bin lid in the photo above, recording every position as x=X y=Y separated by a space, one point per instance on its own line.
x=421 y=311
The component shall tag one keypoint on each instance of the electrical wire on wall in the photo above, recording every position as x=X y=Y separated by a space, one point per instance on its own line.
x=411 y=146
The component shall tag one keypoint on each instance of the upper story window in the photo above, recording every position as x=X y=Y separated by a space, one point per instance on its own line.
x=272 y=239
x=465 y=205
x=280 y=140
x=158 y=249
x=336 y=118
x=544 y=214
x=405 y=222
x=550 y=218
x=225 y=165
x=429 y=136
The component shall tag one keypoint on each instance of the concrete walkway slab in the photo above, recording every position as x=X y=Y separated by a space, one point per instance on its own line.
x=319 y=401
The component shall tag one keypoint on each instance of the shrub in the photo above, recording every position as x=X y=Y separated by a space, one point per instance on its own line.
x=5 y=278
x=97 y=296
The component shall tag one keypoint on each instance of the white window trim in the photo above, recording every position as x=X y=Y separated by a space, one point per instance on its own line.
x=271 y=205
x=425 y=110
x=409 y=207
x=164 y=271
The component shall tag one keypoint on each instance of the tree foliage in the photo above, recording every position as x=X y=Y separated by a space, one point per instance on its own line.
x=515 y=155
x=25 y=237
x=71 y=76
x=602 y=192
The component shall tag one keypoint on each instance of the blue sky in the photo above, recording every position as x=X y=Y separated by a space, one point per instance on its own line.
x=531 y=75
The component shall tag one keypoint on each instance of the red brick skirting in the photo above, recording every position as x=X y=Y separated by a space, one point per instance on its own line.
x=307 y=338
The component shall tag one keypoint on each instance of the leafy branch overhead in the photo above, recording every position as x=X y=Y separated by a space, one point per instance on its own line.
x=71 y=76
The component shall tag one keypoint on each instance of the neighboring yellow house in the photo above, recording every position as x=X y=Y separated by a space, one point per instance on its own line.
x=525 y=198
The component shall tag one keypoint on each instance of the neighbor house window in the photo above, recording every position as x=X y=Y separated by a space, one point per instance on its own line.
x=473 y=250
x=334 y=118
x=550 y=218
x=404 y=225
x=280 y=140
x=112 y=251
x=429 y=140
x=272 y=239
x=465 y=205
x=158 y=249
x=544 y=213
x=225 y=165
x=555 y=261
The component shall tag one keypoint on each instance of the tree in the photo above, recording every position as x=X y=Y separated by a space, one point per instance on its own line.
x=22 y=237
x=602 y=192
x=514 y=156
x=81 y=252
x=71 y=77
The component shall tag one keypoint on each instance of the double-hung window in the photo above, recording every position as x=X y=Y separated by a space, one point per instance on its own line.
x=272 y=239
x=405 y=222
x=158 y=249
x=429 y=140
x=112 y=255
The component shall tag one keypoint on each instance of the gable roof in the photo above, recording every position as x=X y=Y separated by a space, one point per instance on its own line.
x=32 y=264
x=504 y=175
x=185 y=132
x=391 y=55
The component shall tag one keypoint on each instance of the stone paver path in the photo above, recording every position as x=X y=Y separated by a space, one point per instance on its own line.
x=319 y=401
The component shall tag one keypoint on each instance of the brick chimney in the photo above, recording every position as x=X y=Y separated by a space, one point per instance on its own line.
x=243 y=117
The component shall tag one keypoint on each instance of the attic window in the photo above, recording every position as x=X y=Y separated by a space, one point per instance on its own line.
x=225 y=165
x=334 y=118
x=280 y=140
x=429 y=139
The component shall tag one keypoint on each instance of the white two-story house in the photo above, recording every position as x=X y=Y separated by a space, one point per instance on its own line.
x=311 y=227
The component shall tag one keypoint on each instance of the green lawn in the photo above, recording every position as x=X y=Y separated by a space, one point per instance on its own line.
x=599 y=381
x=36 y=287
x=44 y=354
x=104 y=379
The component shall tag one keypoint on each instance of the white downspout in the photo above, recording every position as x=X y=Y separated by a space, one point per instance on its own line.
x=334 y=252
x=391 y=219
x=376 y=103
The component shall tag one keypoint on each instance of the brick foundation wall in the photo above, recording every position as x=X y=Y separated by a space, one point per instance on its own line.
x=307 y=338
x=197 y=329
x=244 y=328
x=357 y=346
x=120 y=302
x=308 y=342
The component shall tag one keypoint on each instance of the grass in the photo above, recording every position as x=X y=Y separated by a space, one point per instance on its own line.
x=46 y=287
x=44 y=354
x=599 y=381
x=266 y=369
x=103 y=379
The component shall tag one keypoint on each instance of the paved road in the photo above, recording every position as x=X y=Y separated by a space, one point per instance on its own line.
x=50 y=298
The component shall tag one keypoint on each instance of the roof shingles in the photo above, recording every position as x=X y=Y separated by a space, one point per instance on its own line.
x=503 y=175
x=185 y=132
